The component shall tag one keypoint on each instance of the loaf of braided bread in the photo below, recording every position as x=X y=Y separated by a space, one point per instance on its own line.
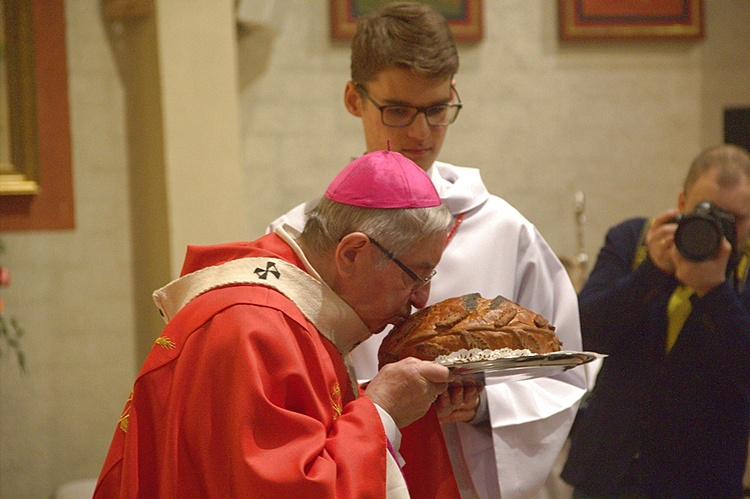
x=468 y=322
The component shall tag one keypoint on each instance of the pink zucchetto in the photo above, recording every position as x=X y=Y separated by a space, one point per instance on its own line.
x=383 y=179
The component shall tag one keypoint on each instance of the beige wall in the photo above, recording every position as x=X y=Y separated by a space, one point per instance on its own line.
x=71 y=290
x=618 y=121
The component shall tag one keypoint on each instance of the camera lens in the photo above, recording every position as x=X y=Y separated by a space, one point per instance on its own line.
x=698 y=238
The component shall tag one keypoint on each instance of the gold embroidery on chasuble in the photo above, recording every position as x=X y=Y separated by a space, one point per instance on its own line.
x=165 y=342
x=336 y=401
x=125 y=416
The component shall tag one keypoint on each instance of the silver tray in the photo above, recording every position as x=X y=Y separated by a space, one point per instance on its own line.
x=521 y=367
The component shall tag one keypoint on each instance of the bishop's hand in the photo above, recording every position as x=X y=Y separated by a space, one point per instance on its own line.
x=406 y=389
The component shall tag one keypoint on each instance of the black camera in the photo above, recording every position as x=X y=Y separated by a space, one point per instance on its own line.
x=699 y=234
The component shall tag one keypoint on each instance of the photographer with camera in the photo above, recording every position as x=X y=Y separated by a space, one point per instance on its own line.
x=668 y=302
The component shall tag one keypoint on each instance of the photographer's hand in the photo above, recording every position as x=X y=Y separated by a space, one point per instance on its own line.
x=702 y=276
x=660 y=241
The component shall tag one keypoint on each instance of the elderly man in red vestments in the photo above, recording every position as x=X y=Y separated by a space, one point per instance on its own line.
x=249 y=391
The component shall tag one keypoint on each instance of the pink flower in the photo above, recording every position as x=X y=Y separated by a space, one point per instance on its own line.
x=4 y=276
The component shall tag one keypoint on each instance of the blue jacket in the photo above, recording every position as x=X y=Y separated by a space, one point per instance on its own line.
x=683 y=415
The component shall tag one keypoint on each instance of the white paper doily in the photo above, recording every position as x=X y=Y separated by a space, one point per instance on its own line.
x=464 y=356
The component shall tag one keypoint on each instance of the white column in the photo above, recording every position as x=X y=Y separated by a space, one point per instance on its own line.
x=198 y=74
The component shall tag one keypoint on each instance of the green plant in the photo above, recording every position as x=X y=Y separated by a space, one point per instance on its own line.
x=11 y=334
x=10 y=331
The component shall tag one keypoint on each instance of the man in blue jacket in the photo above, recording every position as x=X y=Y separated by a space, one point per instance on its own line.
x=669 y=415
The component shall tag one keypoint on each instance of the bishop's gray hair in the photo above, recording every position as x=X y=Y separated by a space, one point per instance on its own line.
x=396 y=229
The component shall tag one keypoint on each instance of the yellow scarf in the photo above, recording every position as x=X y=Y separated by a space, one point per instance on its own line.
x=678 y=309
x=679 y=306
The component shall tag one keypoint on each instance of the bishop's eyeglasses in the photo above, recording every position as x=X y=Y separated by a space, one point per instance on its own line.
x=419 y=281
x=398 y=115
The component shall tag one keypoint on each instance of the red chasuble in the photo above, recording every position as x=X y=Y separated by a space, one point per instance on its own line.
x=241 y=396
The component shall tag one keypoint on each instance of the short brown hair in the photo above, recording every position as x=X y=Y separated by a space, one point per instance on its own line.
x=731 y=161
x=407 y=35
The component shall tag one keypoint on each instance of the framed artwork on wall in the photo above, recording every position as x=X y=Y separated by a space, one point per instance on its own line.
x=19 y=172
x=630 y=19
x=464 y=16
x=36 y=184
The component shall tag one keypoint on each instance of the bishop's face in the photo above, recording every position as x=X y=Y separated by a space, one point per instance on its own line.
x=419 y=141
x=381 y=291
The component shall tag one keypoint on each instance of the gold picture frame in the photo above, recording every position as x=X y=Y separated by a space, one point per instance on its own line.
x=464 y=17
x=19 y=162
x=37 y=187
